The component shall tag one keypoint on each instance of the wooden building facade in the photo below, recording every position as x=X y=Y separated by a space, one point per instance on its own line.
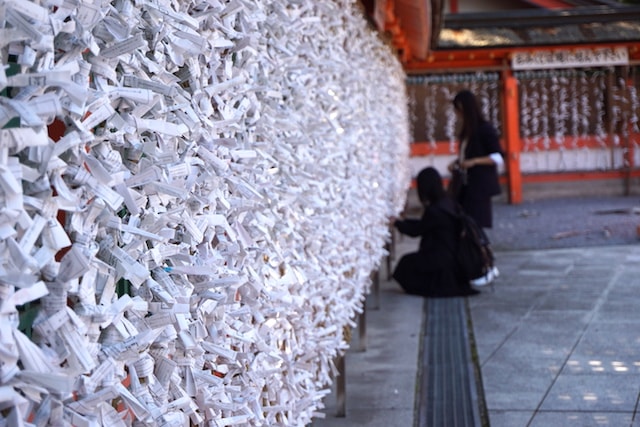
x=559 y=81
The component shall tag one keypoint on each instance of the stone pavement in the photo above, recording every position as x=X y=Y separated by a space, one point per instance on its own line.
x=557 y=339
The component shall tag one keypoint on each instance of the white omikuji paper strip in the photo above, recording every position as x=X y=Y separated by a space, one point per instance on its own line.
x=234 y=163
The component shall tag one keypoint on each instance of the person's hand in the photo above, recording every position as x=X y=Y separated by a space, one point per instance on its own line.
x=394 y=219
x=469 y=163
x=453 y=166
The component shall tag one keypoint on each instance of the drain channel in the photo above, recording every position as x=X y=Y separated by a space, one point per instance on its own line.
x=447 y=387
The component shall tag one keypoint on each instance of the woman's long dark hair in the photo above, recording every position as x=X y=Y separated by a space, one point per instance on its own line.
x=467 y=103
x=430 y=186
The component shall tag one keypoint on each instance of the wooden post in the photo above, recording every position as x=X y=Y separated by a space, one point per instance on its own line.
x=512 y=137
x=375 y=281
x=362 y=329
x=341 y=387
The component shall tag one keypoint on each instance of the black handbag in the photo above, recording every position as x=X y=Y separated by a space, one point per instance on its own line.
x=456 y=182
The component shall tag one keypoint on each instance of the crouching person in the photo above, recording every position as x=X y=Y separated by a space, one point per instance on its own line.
x=431 y=271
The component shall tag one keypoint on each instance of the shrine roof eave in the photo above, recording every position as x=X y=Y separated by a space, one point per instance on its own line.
x=525 y=18
x=529 y=36
x=481 y=40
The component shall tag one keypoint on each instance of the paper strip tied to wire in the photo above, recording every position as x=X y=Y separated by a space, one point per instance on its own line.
x=194 y=196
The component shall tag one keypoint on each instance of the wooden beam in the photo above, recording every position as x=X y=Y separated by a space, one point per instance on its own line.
x=415 y=20
x=527 y=145
x=540 y=144
x=574 y=176
x=551 y=177
x=439 y=148
x=552 y=4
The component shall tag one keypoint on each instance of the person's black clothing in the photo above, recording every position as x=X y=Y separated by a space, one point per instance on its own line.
x=431 y=272
x=482 y=180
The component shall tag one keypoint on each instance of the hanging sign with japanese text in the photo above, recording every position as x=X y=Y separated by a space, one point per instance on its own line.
x=553 y=59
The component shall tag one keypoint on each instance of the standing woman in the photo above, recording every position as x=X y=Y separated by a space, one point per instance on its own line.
x=480 y=156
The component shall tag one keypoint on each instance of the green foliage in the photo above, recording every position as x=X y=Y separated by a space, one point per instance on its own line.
x=27 y=314
x=123 y=287
x=12 y=69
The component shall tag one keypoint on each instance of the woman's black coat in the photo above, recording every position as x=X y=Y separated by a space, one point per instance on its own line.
x=482 y=180
x=431 y=271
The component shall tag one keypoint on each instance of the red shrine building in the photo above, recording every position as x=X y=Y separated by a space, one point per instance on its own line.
x=559 y=79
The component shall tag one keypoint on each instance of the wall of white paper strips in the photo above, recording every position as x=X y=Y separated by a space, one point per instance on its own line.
x=233 y=163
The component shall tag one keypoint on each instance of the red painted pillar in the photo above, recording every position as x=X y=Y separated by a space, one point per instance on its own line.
x=453 y=5
x=513 y=144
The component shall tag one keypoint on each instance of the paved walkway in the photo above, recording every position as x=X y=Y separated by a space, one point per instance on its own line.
x=557 y=341
x=381 y=380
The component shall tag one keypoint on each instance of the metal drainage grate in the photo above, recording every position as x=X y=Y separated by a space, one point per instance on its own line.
x=447 y=395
